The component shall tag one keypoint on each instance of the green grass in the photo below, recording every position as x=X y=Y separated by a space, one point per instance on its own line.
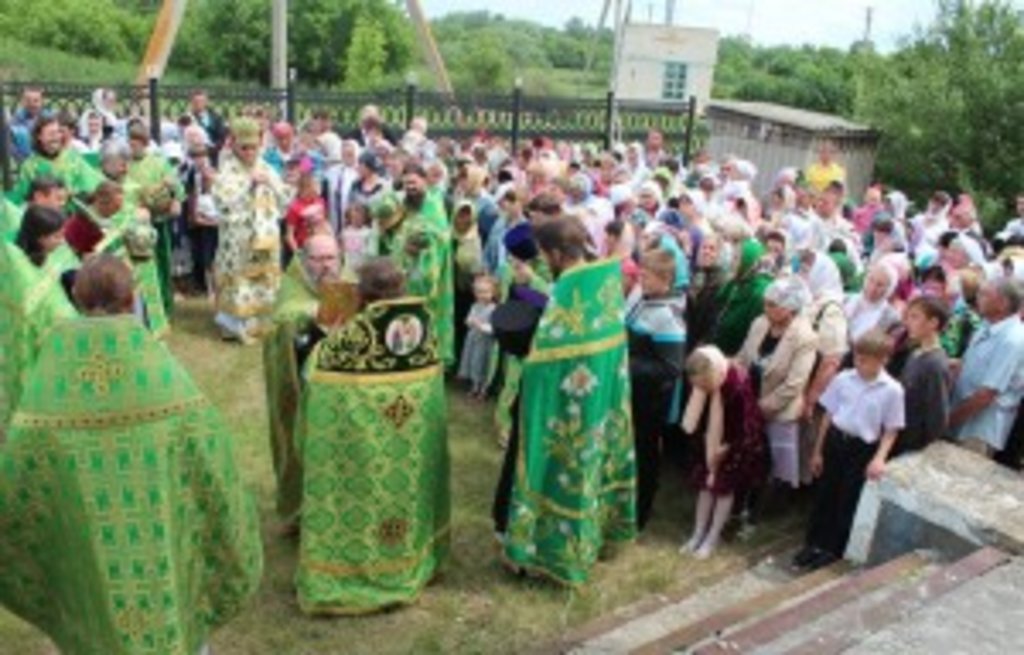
x=475 y=606
x=23 y=62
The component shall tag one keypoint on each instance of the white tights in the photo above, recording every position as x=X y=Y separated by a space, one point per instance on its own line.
x=712 y=513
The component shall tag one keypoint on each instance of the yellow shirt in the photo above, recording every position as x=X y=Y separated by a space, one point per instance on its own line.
x=820 y=176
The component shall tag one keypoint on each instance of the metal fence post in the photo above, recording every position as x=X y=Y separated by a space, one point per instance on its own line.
x=691 y=117
x=154 y=109
x=5 y=141
x=289 y=100
x=517 y=113
x=410 y=101
x=609 y=117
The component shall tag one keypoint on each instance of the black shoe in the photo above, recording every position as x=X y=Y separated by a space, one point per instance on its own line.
x=822 y=559
x=804 y=557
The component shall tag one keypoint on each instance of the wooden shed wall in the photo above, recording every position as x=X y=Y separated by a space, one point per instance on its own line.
x=772 y=147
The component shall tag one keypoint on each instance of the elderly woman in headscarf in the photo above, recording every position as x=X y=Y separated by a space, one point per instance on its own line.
x=104 y=106
x=742 y=298
x=779 y=352
x=649 y=201
x=871 y=309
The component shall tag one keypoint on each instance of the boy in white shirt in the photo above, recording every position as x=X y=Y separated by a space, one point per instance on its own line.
x=864 y=413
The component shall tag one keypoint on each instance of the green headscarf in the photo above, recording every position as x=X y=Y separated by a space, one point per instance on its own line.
x=742 y=298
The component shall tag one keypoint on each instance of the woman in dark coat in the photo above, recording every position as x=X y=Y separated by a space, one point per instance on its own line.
x=702 y=305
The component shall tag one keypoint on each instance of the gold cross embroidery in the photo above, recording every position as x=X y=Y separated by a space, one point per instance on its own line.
x=100 y=372
x=391 y=532
x=398 y=412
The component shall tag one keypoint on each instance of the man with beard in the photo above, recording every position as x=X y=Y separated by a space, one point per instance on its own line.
x=250 y=197
x=50 y=157
x=419 y=241
x=293 y=335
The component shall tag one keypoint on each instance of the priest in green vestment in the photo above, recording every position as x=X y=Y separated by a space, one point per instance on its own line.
x=51 y=157
x=574 y=480
x=31 y=302
x=294 y=327
x=160 y=191
x=372 y=430
x=10 y=219
x=418 y=238
x=111 y=223
x=125 y=528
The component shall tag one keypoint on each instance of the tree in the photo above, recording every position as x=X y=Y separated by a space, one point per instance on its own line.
x=949 y=106
x=483 y=66
x=367 y=54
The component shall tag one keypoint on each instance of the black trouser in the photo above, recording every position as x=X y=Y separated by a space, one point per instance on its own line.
x=846 y=460
x=648 y=424
x=203 y=239
x=503 y=494
x=1010 y=456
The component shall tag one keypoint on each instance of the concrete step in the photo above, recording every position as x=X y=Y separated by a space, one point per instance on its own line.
x=763 y=631
x=857 y=624
x=710 y=625
x=721 y=583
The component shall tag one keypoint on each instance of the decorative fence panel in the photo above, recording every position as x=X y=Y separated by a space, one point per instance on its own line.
x=516 y=116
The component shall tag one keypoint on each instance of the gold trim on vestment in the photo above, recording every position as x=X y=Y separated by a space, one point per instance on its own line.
x=575 y=350
x=97 y=420
x=369 y=377
x=389 y=566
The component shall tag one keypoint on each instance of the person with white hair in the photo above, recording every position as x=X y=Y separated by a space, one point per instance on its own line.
x=780 y=351
x=340 y=160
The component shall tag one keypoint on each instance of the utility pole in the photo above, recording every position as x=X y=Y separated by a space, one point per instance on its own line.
x=868 y=20
x=279 y=44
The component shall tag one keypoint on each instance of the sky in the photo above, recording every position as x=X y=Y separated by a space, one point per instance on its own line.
x=836 y=23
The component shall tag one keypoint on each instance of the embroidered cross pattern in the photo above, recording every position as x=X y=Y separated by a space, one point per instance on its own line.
x=391 y=532
x=100 y=372
x=398 y=412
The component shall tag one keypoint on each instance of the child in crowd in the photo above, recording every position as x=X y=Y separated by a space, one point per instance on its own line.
x=305 y=213
x=722 y=406
x=355 y=238
x=467 y=259
x=925 y=376
x=657 y=348
x=864 y=412
x=479 y=345
x=620 y=242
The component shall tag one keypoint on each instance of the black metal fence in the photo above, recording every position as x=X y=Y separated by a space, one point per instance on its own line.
x=515 y=116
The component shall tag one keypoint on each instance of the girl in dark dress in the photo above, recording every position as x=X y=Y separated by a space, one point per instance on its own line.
x=724 y=405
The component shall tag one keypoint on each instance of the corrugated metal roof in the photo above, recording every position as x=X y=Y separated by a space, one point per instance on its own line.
x=800 y=118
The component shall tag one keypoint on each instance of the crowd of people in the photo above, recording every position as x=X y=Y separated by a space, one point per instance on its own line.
x=622 y=314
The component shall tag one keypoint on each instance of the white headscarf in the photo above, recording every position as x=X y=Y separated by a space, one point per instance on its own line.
x=824 y=278
x=862 y=314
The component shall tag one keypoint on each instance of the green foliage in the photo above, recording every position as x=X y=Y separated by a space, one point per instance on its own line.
x=19 y=61
x=949 y=105
x=367 y=54
x=481 y=66
x=233 y=37
x=95 y=28
x=227 y=38
x=472 y=43
x=819 y=79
